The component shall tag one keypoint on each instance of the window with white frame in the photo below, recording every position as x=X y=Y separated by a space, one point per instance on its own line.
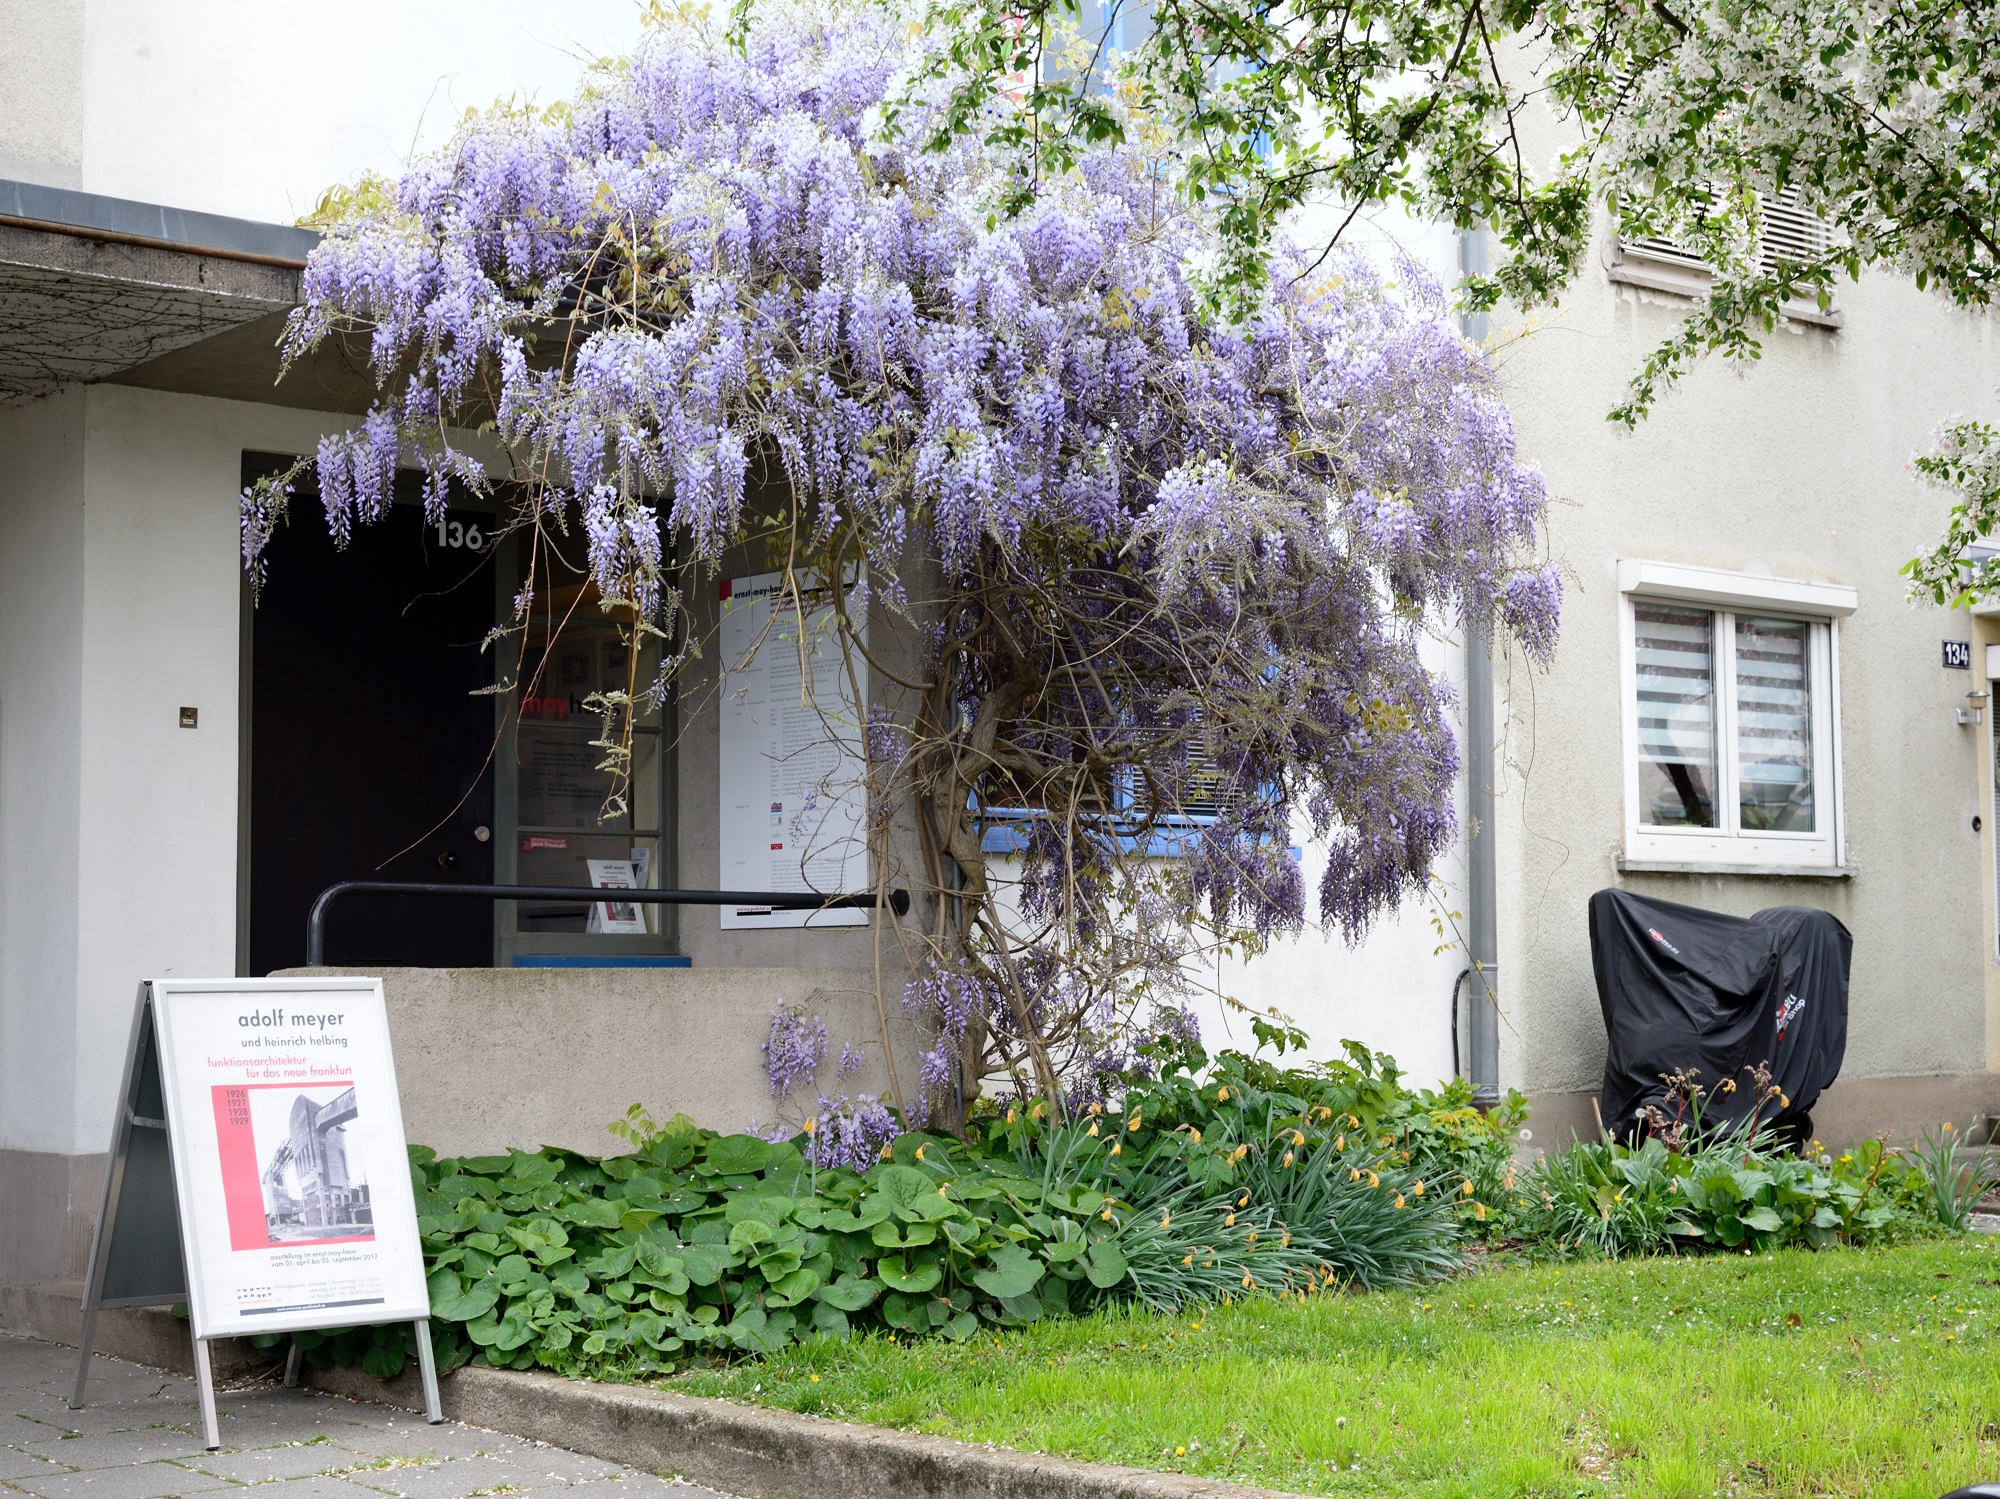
x=1731 y=717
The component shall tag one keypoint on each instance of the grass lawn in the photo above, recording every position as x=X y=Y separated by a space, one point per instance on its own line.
x=1848 y=1372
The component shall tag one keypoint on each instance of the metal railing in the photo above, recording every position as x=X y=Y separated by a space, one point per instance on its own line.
x=776 y=900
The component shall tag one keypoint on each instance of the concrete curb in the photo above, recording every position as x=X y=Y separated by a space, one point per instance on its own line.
x=763 y=1454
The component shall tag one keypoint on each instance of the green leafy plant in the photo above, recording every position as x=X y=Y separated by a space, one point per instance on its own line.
x=1956 y=1176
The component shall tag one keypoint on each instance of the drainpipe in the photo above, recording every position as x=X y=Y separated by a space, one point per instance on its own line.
x=1483 y=993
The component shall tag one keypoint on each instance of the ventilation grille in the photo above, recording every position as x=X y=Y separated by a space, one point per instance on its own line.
x=1791 y=232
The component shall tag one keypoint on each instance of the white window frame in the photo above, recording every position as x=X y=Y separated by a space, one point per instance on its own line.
x=1727 y=594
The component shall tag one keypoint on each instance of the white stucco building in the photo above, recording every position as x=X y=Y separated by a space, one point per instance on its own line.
x=180 y=773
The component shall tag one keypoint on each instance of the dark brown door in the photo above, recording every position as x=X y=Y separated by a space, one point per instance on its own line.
x=369 y=750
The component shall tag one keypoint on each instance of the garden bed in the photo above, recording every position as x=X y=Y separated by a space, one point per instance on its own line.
x=1862 y=1372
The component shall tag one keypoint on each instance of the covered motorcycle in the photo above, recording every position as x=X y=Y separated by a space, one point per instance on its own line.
x=1718 y=997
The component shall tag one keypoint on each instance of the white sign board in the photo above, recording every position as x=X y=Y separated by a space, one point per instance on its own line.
x=289 y=1163
x=793 y=801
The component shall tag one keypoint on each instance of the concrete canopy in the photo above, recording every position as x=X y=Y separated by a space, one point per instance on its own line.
x=99 y=289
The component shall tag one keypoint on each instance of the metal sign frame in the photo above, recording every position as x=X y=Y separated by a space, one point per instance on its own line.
x=139 y=1249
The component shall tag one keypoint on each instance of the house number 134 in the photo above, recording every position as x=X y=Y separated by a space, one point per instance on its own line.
x=456 y=534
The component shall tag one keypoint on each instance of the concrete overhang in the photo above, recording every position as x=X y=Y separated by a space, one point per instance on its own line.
x=102 y=289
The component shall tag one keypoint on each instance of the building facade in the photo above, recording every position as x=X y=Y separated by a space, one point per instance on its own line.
x=1742 y=711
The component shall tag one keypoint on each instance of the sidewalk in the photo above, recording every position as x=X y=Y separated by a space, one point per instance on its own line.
x=139 y=1438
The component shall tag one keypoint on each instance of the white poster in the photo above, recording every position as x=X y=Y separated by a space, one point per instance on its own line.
x=614 y=916
x=289 y=1161
x=793 y=803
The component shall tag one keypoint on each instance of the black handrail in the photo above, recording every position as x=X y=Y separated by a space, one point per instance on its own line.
x=777 y=900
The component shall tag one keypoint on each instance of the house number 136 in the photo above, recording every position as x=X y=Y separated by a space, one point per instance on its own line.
x=456 y=534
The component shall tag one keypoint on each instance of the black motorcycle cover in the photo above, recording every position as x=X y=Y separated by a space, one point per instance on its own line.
x=1684 y=989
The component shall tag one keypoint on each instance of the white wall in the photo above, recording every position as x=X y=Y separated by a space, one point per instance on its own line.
x=118 y=605
x=41 y=91
x=41 y=653
x=254 y=110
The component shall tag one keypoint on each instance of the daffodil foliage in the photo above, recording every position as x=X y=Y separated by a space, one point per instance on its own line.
x=1160 y=578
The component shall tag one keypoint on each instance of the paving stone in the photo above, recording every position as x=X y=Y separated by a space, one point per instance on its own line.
x=455 y=1479
x=269 y=1464
x=108 y=1449
x=141 y=1439
x=15 y=1463
x=129 y=1481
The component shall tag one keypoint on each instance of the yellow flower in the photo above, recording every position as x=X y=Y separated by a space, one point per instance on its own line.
x=1286 y=1242
x=1106 y=1214
x=1479 y=1211
x=1374 y=1180
x=1399 y=1199
x=1298 y=1137
x=1248 y=1281
x=1340 y=1142
x=1190 y=1259
x=811 y=1124
x=1195 y=1135
x=1466 y=1190
x=1180 y=1452
x=1222 y=1095
x=1093 y=1128
x=1133 y=1122
x=813 y=1377
x=1354 y=1173
x=944 y=1189
x=887 y=1153
x=1165 y=1218
x=1097 y=1108
x=920 y=1152
x=1288 y=1158
x=1116 y=1148
x=1230 y=1221
x=1010 y=1114
x=1239 y=1152
x=1253 y=1236
x=1420 y=1189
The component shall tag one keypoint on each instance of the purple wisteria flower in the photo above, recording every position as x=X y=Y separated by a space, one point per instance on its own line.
x=1195 y=559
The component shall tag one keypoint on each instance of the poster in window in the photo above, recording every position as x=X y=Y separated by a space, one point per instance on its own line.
x=289 y=1159
x=793 y=799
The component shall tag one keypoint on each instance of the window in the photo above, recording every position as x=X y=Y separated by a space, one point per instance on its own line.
x=1731 y=717
x=1791 y=232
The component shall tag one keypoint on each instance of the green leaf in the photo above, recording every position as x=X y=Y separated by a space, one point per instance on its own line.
x=738 y=1155
x=850 y=1292
x=793 y=1288
x=1106 y=1264
x=906 y=1313
x=383 y=1363
x=1764 y=1220
x=569 y=1280
x=592 y=1212
x=612 y=1263
x=893 y=1235
x=911 y=1278
x=457 y=1305
x=962 y=1326
x=1014 y=1272
x=703 y=1264
x=904 y=1185
x=763 y=1207
x=831 y=1321
x=1826 y=1218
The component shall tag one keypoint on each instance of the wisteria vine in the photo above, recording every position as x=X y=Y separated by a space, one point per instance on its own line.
x=1164 y=577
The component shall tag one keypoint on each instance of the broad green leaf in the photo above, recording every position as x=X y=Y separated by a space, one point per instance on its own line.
x=704 y=1263
x=763 y=1207
x=912 y=1277
x=592 y=1212
x=906 y=1313
x=612 y=1263
x=792 y=1288
x=850 y=1292
x=831 y=1321
x=1014 y=1272
x=738 y=1155
x=1105 y=1264
x=961 y=1326
x=893 y=1235
x=1764 y=1220
x=569 y=1280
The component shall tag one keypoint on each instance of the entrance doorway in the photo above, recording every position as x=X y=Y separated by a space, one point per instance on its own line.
x=370 y=756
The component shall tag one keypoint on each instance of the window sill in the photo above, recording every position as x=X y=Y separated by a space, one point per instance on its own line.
x=1761 y=871
x=1687 y=281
